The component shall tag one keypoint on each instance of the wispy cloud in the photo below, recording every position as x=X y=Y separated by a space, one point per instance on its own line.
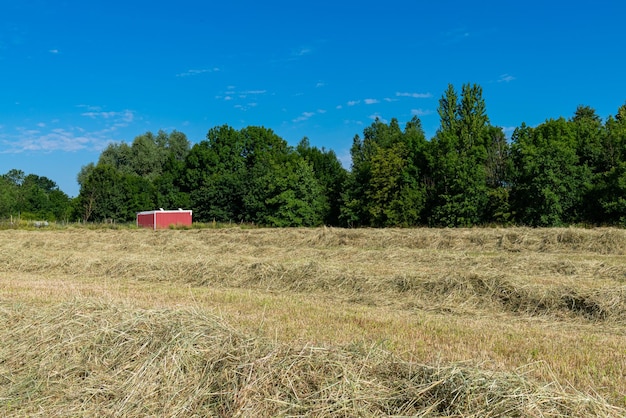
x=194 y=72
x=125 y=116
x=421 y=112
x=59 y=139
x=246 y=107
x=506 y=78
x=90 y=108
x=508 y=131
x=231 y=94
x=353 y=102
x=308 y=115
x=377 y=116
x=301 y=51
x=414 y=95
x=345 y=158
x=304 y=116
x=456 y=35
x=53 y=51
x=320 y=84
x=371 y=101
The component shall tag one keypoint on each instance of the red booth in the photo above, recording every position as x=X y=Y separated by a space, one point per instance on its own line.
x=158 y=219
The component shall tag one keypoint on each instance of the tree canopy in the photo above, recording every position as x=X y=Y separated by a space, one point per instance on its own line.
x=560 y=172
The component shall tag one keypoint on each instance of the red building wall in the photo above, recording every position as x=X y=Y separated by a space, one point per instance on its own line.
x=180 y=218
x=158 y=219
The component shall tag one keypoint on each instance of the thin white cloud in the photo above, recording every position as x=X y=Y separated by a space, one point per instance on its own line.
x=303 y=117
x=421 y=112
x=320 y=84
x=59 y=139
x=371 y=101
x=231 y=94
x=389 y=99
x=125 y=116
x=90 y=107
x=508 y=131
x=245 y=107
x=353 y=102
x=53 y=51
x=338 y=107
x=345 y=158
x=456 y=35
x=506 y=78
x=105 y=115
x=194 y=72
x=321 y=111
x=414 y=95
x=377 y=116
x=302 y=51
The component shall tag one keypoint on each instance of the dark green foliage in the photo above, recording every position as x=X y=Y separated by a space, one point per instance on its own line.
x=609 y=186
x=32 y=197
x=129 y=179
x=548 y=181
x=252 y=175
x=561 y=172
x=330 y=175
x=458 y=160
x=385 y=186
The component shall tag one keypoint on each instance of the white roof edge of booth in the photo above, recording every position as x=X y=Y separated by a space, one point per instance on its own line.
x=150 y=212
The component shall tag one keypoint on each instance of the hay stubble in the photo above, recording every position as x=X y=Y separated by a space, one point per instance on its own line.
x=548 y=303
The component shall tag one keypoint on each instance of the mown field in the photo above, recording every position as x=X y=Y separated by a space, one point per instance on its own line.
x=313 y=322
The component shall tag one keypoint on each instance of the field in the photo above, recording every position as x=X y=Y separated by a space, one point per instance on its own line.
x=313 y=322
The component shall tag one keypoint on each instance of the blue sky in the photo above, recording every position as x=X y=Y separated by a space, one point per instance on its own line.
x=76 y=75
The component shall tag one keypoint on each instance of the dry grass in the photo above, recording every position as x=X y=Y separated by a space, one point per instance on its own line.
x=97 y=359
x=323 y=322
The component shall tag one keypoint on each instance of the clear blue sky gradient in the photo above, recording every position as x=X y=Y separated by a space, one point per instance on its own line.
x=76 y=75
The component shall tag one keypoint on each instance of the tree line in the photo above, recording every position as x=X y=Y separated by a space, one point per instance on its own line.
x=561 y=172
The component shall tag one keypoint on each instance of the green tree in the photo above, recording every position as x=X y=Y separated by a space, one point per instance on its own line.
x=32 y=197
x=385 y=186
x=458 y=158
x=610 y=184
x=497 y=171
x=9 y=193
x=330 y=175
x=214 y=176
x=295 y=197
x=100 y=194
x=251 y=175
x=548 y=184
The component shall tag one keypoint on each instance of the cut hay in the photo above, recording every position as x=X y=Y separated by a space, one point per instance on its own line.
x=90 y=358
x=498 y=298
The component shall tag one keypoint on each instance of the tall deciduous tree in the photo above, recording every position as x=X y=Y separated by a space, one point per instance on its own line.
x=252 y=175
x=610 y=185
x=548 y=180
x=32 y=197
x=330 y=175
x=457 y=159
x=385 y=186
